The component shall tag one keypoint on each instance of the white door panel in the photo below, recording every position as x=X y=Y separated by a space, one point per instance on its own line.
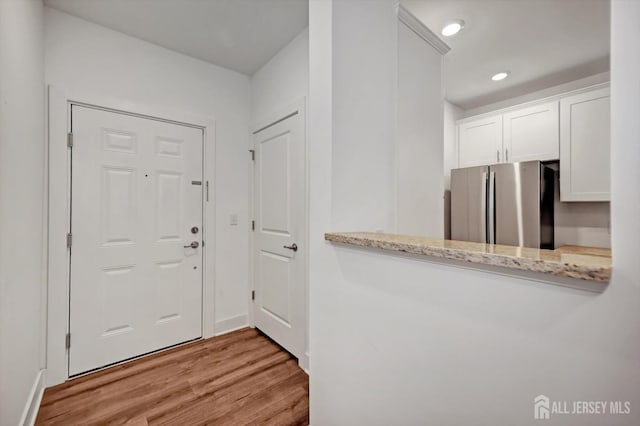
x=134 y=287
x=276 y=285
x=279 y=305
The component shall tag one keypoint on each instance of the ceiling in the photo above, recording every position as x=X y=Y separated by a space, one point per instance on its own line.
x=241 y=35
x=543 y=43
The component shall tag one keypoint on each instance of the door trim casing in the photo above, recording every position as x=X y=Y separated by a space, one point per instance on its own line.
x=297 y=106
x=58 y=201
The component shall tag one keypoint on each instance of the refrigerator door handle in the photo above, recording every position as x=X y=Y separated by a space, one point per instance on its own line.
x=492 y=211
x=483 y=210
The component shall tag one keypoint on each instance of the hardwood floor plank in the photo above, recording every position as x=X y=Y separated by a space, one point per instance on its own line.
x=238 y=378
x=293 y=410
x=150 y=362
x=226 y=399
x=265 y=404
x=239 y=369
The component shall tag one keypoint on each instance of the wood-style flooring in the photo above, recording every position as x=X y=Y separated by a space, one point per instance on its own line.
x=239 y=378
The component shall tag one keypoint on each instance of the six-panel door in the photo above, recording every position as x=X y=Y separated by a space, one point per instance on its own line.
x=134 y=287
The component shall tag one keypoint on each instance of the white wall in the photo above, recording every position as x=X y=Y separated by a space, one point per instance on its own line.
x=452 y=113
x=364 y=110
x=405 y=341
x=21 y=203
x=83 y=57
x=281 y=81
x=419 y=135
x=583 y=224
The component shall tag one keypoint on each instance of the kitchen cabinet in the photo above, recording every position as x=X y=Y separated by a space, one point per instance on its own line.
x=480 y=141
x=585 y=144
x=531 y=133
x=574 y=128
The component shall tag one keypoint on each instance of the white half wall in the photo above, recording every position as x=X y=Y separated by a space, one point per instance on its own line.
x=22 y=160
x=281 y=81
x=405 y=341
x=82 y=57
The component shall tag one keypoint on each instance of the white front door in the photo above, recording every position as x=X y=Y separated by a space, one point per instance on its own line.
x=279 y=205
x=135 y=197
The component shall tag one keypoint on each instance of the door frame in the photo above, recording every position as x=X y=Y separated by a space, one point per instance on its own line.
x=279 y=114
x=58 y=201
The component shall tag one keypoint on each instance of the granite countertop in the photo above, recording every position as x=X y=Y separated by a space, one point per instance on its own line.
x=562 y=262
x=589 y=251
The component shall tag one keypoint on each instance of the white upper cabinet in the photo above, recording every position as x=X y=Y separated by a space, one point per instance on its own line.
x=480 y=142
x=585 y=146
x=531 y=133
x=574 y=128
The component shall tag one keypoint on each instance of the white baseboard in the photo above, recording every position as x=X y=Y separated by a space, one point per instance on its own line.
x=228 y=325
x=303 y=362
x=32 y=406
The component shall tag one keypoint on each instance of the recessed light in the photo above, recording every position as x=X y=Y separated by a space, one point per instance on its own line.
x=500 y=76
x=452 y=28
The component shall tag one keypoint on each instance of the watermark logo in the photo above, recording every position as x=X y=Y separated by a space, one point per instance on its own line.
x=541 y=407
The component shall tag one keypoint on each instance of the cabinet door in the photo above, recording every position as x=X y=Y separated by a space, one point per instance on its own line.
x=480 y=142
x=584 y=146
x=532 y=133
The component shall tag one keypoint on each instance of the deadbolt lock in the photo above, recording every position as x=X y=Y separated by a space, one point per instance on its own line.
x=194 y=230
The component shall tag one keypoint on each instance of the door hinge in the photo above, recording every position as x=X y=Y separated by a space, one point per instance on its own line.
x=253 y=295
x=67 y=341
x=69 y=240
x=253 y=225
x=253 y=154
x=69 y=140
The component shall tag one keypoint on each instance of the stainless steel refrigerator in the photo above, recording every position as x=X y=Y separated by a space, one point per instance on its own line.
x=510 y=204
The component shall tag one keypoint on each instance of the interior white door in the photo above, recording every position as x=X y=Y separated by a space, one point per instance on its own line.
x=279 y=208
x=134 y=287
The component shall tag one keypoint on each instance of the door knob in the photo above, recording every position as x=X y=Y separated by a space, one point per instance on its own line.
x=293 y=247
x=193 y=245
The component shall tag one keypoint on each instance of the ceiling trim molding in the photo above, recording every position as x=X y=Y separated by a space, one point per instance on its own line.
x=421 y=30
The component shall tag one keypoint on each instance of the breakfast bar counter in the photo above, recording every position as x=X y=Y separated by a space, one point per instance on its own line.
x=561 y=262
